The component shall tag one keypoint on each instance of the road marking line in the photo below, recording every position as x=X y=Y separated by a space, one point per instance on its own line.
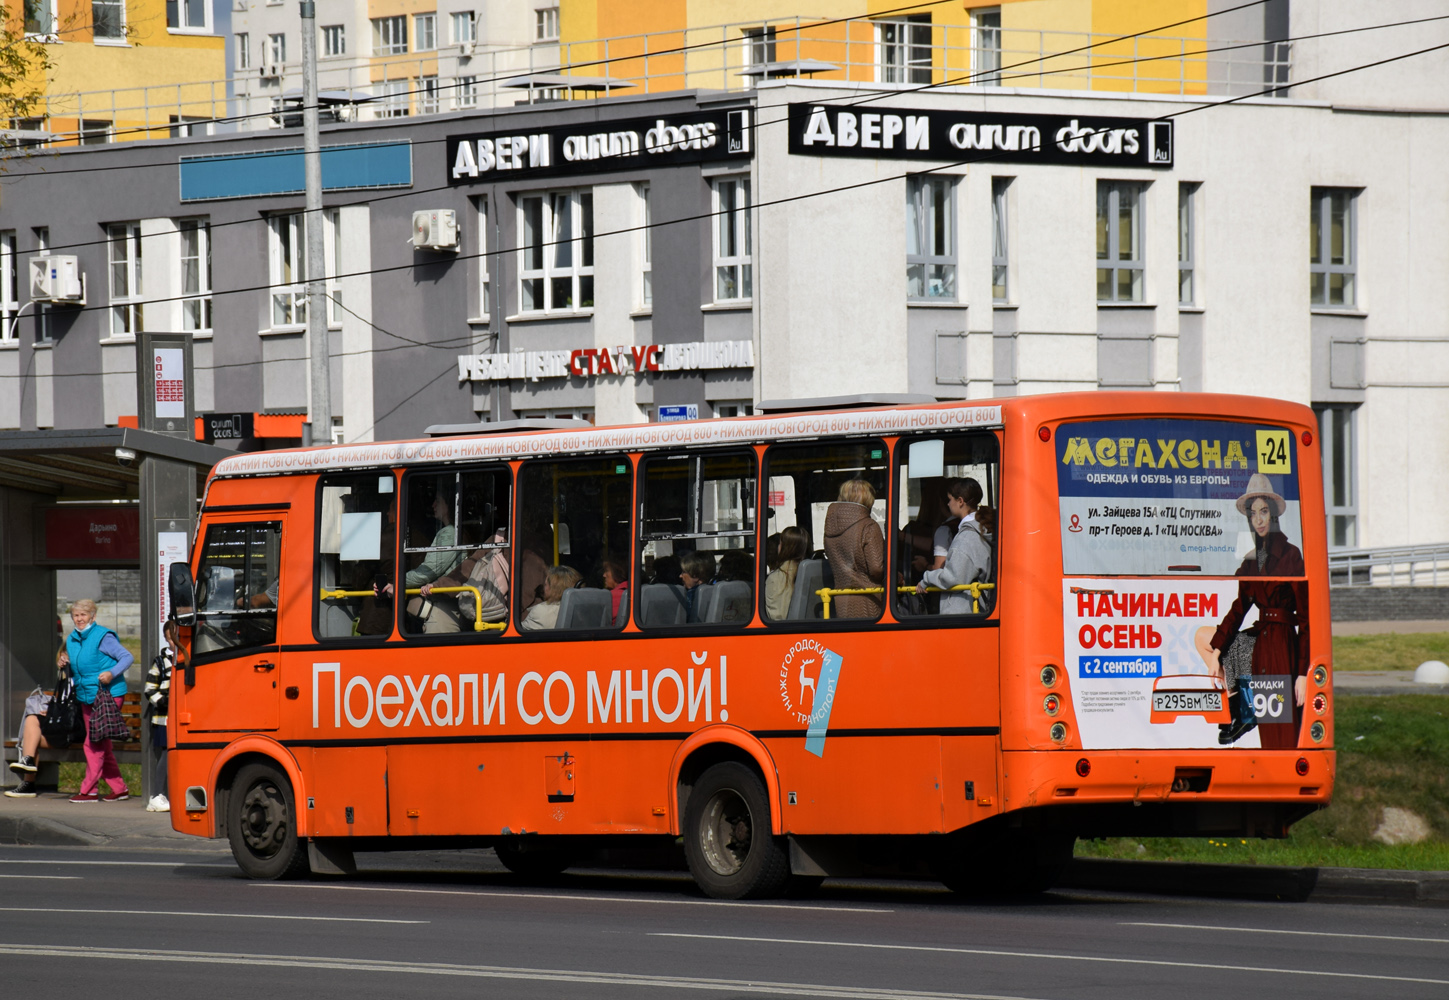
x=191 y=913
x=1268 y=930
x=113 y=864
x=735 y=986
x=44 y=876
x=1059 y=957
x=592 y=899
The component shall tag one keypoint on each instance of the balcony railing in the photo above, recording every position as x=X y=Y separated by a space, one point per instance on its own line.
x=1395 y=566
x=723 y=57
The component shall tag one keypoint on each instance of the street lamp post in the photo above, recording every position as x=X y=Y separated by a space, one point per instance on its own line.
x=319 y=425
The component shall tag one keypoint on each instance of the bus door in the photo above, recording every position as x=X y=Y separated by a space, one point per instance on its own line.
x=234 y=644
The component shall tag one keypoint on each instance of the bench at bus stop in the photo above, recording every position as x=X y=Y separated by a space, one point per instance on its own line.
x=48 y=777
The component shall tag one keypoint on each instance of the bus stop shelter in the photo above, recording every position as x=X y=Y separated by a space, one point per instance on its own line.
x=85 y=498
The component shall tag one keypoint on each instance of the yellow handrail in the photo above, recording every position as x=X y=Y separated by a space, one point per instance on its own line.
x=826 y=593
x=479 y=625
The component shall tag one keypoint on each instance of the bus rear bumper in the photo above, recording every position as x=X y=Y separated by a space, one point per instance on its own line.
x=1171 y=792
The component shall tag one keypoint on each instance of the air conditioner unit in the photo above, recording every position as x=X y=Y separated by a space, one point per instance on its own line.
x=465 y=49
x=436 y=229
x=271 y=71
x=57 y=278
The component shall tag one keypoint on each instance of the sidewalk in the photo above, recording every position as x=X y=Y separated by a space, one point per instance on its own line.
x=52 y=820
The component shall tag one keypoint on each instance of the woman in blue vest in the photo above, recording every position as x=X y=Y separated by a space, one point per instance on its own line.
x=98 y=663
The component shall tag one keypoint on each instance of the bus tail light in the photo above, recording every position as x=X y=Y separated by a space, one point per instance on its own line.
x=1307 y=438
x=1051 y=704
x=1320 y=703
x=1045 y=433
x=1084 y=767
x=1301 y=767
x=1317 y=732
x=1048 y=675
x=1320 y=675
x=1059 y=732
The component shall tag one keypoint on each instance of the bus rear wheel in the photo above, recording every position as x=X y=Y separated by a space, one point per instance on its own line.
x=727 y=839
x=261 y=824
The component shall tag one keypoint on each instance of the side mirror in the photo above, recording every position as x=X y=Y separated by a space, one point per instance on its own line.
x=182 y=593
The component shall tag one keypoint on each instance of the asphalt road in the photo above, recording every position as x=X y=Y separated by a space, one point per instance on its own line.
x=92 y=922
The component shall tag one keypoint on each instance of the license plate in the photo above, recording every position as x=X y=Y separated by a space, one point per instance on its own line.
x=1187 y=701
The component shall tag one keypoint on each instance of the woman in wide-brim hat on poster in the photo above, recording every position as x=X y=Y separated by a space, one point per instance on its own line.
x=1280 y=635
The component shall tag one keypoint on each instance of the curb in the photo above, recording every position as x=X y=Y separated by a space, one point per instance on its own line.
x=1263 y=882
x=40 y=831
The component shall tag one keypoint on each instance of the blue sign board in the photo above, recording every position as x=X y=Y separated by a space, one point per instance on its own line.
x=281 y=171
x=671 y=414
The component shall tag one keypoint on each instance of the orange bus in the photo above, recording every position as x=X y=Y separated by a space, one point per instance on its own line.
x=944 y=638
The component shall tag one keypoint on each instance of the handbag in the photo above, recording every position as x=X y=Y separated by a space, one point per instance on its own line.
x=106 y=721
x=62 y=724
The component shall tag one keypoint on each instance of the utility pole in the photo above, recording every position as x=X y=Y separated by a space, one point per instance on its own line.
x=318 y=428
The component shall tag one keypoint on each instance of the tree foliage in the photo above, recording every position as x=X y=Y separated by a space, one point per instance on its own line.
x=24 y=63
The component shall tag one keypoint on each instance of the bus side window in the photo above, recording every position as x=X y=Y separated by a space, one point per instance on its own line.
x=238 y=587
x=697 y=534
x=929 y=547
x=825 y=530
x=456 y=548
x=356 y=554
x=573 y=526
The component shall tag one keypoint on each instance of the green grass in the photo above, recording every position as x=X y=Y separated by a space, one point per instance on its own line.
x=72 y=773
x=1389 y=651
x=1401 y=760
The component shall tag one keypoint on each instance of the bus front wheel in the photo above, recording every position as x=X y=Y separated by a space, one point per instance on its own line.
x=261 y=824
x=727 y=840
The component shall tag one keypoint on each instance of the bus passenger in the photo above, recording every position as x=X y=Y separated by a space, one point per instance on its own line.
x=969 y=558
x=735 y=564
x=694 y=569
x=855 y=549
x=485 y=568
x=438 y=614
x=794 y=546
x=616 y=581
x=545 y=614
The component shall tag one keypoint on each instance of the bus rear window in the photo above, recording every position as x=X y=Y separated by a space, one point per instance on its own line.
x=1153 y=497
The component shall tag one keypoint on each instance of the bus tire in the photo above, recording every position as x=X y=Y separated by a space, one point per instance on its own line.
x=541 y=863
x=261 y=824
x=727 y=840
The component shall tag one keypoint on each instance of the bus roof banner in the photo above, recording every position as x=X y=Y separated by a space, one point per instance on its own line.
x=642 y=437
x=1163 y=496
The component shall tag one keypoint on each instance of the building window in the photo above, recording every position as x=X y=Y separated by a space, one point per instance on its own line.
x=556 y=260
x=1332 y=263
x=485 y=287
x=287 y=266
x=425 y=32
x=904 y=49
x=394 y=99
x=243 y=50
x=733 y=408
x=545 y=25
x=931 y=238
x=9 y=282
x=465 y=30
x=276 y=49
x=427 y=91
x=334 y=40
x=188 y=15
x=125 y=257
x=196 y=274
x=466 y=92
x=986 y=47
x=1000 y=258
x=1340 y=484
x=1186 y=234
x=40 y=19
x=95 y=131
x=646 y=248
x=1119 y=242
x=108 y=19
x=189 y=125
x=42 y=311
x=759 y=51
x=734 y=278
x=390 y=35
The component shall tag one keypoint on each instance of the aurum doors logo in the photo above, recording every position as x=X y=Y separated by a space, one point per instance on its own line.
x=809 y=666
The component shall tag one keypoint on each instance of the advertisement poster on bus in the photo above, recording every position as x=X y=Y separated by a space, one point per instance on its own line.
x=1178 y=663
